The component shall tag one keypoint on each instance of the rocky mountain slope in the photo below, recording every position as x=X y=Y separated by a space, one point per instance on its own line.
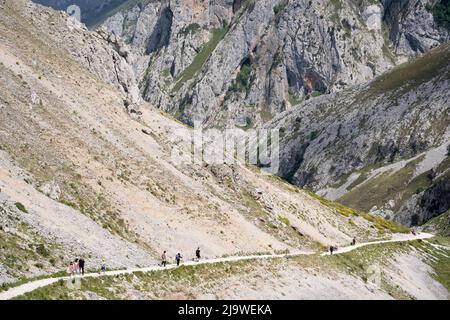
x=382 y=147
x=243 y=62
x=80 y=174
x=83 y=171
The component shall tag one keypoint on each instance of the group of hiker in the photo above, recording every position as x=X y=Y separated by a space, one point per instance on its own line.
x=334 y=248
x=76 y=267
x=178 y=257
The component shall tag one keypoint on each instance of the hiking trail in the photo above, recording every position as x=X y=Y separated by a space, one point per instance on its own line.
x=33 y=285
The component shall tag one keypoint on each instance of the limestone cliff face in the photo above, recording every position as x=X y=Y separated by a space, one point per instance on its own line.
x=306 y=68
x=101 y=52
x=381 y=147
x=243 y=62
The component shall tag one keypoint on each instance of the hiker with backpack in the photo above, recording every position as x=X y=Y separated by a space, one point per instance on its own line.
x=197 y=254
x=178 y=258
x=81 y=265
x=76 y=266
x=103 y=266
x=333 y=249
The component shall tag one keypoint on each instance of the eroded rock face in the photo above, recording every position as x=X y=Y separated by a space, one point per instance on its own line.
x=411 y=26
x=395 y=128
x=52 y=190
x=431 y=203
x=102 y=52
x=270 y=55
x=244 y=63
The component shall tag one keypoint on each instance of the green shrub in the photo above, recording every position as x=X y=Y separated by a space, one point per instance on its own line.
x=41 y=250
x=284 y=220
x=279 y=7
x=200 y=59
x=21 y=207
x=242 y=81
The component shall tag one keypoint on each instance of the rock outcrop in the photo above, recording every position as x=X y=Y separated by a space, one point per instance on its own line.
x=381 y=146
x=101 y=52
x=243 y=62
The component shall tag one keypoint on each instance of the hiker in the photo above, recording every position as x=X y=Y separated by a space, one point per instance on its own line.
x=178 y=258
x=413 y=232
x=331 y=250
x=71 y=268
x=197 y=253
x=81 y=265
x=76 y=266
x=103 y=266
x=353 y=241
x=164 y=259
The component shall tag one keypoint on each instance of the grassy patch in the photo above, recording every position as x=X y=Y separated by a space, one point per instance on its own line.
x=360 y=263
x=201 y=57
x=315 y=94
x=386 y=186
x=381 y=224
x=439 y=225
x=155 y=284
x=294 y=99
x=411 y=74
x=21 y=207
x=23 y=248
x=440 y=258
x=242 y=81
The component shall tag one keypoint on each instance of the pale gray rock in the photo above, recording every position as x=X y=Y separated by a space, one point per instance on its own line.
x=51 y=190
x=294 y=49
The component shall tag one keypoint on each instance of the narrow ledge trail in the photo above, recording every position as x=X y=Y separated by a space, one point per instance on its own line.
x=33 y=285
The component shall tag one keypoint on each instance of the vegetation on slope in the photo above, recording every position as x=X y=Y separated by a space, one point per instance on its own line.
x=441 y=13
x=163 y=284
x=380 y=189
x=201 y=57
x=23 y=250
x=439 y=225
x=379 y=223
x=411 y=74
